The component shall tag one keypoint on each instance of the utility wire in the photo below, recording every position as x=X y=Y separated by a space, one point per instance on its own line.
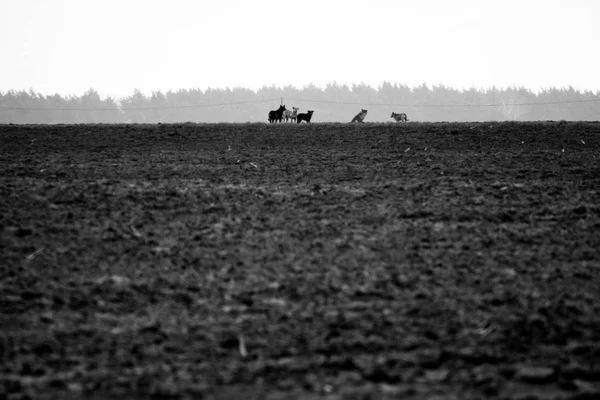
x=305 y=101
x=138 y=108
x=448 y=105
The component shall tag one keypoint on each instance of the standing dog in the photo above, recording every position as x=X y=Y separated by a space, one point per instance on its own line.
x=291 y=114
x=305 y=116
x=276 y=115
x=399 y=117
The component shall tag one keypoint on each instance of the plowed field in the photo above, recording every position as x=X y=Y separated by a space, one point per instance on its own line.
x=334 y=261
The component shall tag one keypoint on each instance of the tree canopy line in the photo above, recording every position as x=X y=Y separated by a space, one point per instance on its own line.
x=332 y=103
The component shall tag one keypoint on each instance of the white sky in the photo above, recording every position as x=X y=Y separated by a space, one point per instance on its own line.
x=115 y=46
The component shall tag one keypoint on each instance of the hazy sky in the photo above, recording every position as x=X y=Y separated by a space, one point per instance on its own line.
x=115 y=46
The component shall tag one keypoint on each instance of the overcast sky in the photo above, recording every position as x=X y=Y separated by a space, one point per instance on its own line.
x=115 y=46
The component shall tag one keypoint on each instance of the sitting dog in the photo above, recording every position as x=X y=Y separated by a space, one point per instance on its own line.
x=360 y=117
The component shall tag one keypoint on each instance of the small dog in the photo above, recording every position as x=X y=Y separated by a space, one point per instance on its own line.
x=399 y=117
x=360 y=117
x=305 y=116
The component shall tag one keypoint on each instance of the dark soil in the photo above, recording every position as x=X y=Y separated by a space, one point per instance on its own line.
x=335 y=261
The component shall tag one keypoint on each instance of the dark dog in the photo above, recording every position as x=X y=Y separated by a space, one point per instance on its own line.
x=276 y=115
x=305 y=116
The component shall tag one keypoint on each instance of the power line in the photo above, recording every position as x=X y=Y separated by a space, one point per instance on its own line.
x=305 y=101
x=448 y=105
x=138 y=108
x=63 y=109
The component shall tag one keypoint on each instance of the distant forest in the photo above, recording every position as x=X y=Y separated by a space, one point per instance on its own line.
x=332 y=103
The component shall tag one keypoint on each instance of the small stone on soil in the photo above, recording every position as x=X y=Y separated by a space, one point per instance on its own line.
x=536 y=374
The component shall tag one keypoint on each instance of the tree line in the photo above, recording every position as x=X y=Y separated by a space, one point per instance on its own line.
x=332 y=103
